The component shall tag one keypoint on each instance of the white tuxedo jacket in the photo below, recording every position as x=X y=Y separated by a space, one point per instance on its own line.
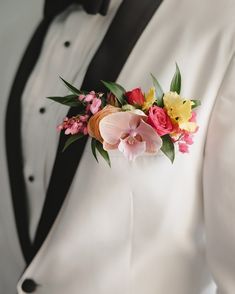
x=146 y=227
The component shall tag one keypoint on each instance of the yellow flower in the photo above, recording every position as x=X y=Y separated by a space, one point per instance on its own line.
x=150 y=98
x=179 y=110
x=189 y=126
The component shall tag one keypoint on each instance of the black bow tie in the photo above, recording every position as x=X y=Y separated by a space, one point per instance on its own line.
x=54 y=7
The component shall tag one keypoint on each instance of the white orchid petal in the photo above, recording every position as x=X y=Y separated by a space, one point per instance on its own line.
x=150 y=136
x=132 y=151
x=115 y=125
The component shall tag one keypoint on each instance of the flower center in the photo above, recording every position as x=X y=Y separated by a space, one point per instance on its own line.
x=131 y=140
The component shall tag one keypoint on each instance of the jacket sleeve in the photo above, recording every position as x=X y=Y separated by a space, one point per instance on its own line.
x=219 y=186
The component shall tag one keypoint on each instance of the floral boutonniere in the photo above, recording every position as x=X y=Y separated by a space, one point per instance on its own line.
x=131 y=121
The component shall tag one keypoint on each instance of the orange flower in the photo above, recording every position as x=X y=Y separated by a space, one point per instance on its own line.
x=93 y=124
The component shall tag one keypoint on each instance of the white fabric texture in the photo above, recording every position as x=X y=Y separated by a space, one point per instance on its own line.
x=143 y=227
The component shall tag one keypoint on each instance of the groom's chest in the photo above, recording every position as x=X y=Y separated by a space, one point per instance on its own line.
x=151 y=194
x=106 y=198
x=190 y=38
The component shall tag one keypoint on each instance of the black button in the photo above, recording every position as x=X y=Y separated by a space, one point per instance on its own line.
x=29 y=286
x=31 y=178
x=42 y=110
x=67 y=44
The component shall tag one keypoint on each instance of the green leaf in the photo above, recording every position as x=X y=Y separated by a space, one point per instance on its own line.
x=70 y=100
x=74 y=90
x=128 y=107
x=196 y=103
x=93 y=148
x=103 y=101
x=117 y=90
x=159 y=91
x=168 y=147
x=71 y=140
x=102 y=152
x=176 y=81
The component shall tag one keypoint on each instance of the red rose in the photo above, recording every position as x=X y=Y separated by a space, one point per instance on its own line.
x=135 y=97
x=160 y=121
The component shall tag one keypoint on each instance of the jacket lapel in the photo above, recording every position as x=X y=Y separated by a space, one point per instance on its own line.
x=107 y=63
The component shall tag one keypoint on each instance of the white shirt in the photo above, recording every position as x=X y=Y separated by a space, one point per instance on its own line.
x=69 y=46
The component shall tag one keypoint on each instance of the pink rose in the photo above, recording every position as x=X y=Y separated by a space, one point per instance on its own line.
x=160 y=121
x=135 y=97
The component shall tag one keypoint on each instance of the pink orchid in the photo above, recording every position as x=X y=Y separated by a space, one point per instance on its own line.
x=95 y=105
x=128 y=132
